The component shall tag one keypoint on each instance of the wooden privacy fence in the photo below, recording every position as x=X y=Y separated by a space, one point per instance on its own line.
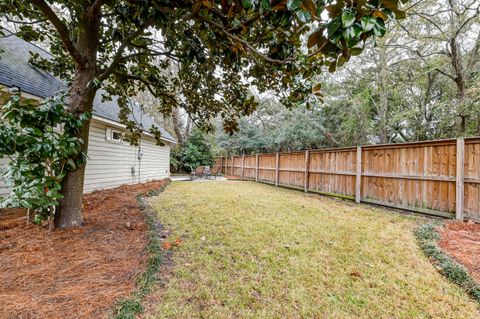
x=439 y=177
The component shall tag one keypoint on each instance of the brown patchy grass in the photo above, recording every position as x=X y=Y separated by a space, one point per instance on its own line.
x=74 y=273
x=253 y=251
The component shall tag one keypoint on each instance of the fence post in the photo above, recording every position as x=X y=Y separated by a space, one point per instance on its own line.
x=232 y=170
x=460 y=179
x=243 y=166
x=358 y=177
x=277 y=163
x=256 y=168
x=306 y=177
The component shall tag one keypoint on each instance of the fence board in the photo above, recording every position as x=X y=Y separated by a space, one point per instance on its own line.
x=266 y=168
x=249 y=169
x=291 y=169
x=420 y=176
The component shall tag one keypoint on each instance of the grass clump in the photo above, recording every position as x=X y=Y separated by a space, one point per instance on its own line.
x=428 y=237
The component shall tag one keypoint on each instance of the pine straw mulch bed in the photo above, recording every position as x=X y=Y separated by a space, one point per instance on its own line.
x=462 y=242
x=454 y=248
x=74 y=273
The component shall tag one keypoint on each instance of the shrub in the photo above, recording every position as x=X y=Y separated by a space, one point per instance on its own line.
x=197 y=151
x=39 y=139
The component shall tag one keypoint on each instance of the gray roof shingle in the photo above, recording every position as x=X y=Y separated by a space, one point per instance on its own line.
x=16 y=71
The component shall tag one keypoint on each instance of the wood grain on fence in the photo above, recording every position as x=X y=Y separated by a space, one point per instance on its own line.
x=439 y=177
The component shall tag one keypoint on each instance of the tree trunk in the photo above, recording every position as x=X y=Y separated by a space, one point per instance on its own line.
x=176 y=127
x=383 y=93
x=82 y=94
x=187 y=127
x=69 y=213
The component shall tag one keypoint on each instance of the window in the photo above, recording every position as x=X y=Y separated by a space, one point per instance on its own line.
x=116 y=136
x=113 y=135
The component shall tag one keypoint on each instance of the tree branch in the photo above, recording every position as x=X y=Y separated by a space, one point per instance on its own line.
x=152 y=53
x=61 y=29
x=119 y=54
x=444 y=73
x=472 y=61
x=247 y=44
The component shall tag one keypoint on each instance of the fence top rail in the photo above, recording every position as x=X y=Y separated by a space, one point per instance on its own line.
x=439 y=142
x=470 y=140
x=329 y=150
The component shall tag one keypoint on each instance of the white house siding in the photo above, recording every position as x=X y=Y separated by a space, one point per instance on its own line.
x=4 y=190
x=110 y=163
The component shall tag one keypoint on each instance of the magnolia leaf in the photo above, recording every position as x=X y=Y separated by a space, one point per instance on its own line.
x=348 y=18
x=309 y=6
x=316 y=88
x=341 y=61
x=333 y=67
x=379 y=28
x=303 y=16
x=334 y=10
x=293 y=4
x=333 y=26
x=352 y=35
x=392 y=6
x=265 y=4
x=279 y=7
x=380 y=14
x=368 y=22
x=314 y=38
x=399 y=15
x=247 y=4
x=355 y=51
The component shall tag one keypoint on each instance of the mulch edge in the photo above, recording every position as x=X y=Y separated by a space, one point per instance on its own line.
x=428 y=238
x=132 y=306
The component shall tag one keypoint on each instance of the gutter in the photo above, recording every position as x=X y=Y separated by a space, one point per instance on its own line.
x=120 y=125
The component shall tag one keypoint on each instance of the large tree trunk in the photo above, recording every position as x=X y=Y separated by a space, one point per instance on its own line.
x=69 y=213
x=82 y=94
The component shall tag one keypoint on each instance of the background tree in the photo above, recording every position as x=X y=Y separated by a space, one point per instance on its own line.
x=223 y=47
x=403 y=88
x=197 y=151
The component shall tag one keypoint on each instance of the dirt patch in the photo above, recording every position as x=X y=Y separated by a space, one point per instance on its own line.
x=462 y=242
x=74 y=273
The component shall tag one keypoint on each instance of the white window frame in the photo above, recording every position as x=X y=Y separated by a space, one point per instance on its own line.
x=110 y=133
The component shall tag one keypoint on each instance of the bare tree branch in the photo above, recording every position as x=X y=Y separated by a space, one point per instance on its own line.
x=444 y=73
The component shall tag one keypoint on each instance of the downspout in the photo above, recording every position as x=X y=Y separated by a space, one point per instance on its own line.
x=140 y=155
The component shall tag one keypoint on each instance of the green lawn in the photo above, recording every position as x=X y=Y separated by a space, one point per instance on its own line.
x=254 y=251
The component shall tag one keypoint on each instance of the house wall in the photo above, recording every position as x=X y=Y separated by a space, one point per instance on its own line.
x=110 y=163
